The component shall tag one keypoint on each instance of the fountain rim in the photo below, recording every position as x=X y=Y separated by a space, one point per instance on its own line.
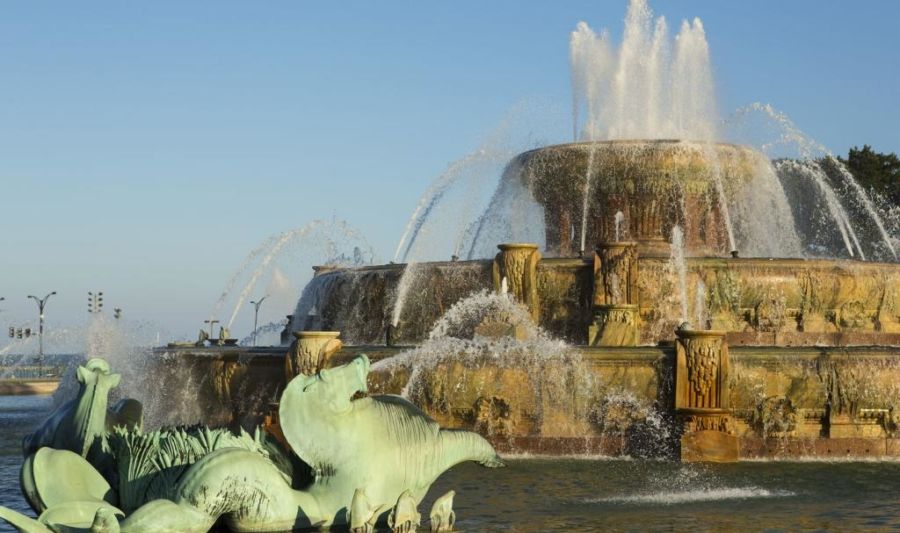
x=518 y=246
x=618 y=244
x=315 y=334
x=844 y=262
x=699 y=333
x=625 y=142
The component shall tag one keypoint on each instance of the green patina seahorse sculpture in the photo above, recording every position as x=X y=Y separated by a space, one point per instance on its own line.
x=383 y=445
x=83 y=424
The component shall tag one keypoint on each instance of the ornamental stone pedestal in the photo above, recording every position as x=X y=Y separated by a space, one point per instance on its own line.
x=517 y=264
x=701 y=397
x=615 y=295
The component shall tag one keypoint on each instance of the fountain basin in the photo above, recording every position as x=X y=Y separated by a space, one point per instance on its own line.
x=656 y=184
x=785 y=402
x=756 y=301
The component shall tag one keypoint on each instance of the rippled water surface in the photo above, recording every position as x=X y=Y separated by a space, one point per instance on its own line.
x=535 y=494
x=18 y=415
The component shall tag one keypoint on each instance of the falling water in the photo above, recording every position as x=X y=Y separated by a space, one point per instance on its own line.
x=864 y=199
x=618 y=220
x=775 y=134
x=700 y=305
x=813 y=172
x=711 y=156
x=680 y=267
x=406 y=282
x=588 y=181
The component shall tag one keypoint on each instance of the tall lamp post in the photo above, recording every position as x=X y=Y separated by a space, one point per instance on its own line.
x=41 y=302
x=211 y=323
x=256 y=315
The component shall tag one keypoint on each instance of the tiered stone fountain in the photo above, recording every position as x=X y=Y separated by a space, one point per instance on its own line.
x=797 y=356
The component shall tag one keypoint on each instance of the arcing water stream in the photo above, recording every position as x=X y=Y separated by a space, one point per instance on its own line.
x=319 y=242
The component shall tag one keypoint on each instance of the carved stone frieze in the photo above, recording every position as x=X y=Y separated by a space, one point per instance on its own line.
x=493 y=416
x=853 y=315
x=713 y=421
x=769 y=315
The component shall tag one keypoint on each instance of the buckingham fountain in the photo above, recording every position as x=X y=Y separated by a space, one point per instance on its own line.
x=632 y=294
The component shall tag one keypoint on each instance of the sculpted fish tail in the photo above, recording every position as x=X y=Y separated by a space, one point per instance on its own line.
x=461 y=446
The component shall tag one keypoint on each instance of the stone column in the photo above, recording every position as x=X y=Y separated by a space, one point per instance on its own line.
x=310 y=352
x=701 y=397
x=615 y=295
x=517 y=264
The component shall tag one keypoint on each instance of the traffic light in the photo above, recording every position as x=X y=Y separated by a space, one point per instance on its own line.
x=12 y=332
x=117 y=313
x=95 y=302
x=27 y=332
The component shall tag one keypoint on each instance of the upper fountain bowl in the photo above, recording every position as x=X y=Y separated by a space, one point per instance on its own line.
x=656 y=184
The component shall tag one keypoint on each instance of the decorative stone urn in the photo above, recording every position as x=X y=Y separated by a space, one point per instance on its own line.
x=517 y=264
x=701 y=397
x=310 y=352
x=615 y=295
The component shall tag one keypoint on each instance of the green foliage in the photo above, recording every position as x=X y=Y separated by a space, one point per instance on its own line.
x=875 y=171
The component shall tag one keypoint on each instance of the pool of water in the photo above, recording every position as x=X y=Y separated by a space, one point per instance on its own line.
x=620 y=495
x=18 y=416
x=593 y=494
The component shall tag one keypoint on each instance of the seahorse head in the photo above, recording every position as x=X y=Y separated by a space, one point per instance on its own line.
x=331 y=389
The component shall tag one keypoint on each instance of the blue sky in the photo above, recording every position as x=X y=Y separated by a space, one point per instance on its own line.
x=147 y=147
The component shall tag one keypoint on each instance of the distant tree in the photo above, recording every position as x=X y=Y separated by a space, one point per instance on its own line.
x=875 y=171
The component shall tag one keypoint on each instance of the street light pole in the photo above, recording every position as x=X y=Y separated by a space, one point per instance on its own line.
x=256 y=315
x=211 y=323
x=41 y=302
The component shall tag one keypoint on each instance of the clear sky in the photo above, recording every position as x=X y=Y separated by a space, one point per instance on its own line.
x=147 y=147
